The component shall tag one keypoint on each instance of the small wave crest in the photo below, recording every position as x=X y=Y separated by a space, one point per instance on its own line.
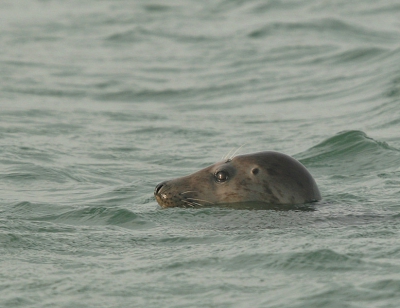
x=351 y=152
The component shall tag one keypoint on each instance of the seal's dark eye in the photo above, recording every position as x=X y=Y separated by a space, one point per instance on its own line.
x=221 y=176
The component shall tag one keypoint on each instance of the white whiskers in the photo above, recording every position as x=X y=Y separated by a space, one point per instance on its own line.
x=201 y=200
x=229 y=156
x=191 y=204
x=188 y=191
x=233 y=155
x=193 y=201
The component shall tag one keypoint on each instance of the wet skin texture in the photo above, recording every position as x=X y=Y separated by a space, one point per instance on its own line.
x=269 y=177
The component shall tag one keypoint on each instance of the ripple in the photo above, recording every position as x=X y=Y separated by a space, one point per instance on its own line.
x=97 y=215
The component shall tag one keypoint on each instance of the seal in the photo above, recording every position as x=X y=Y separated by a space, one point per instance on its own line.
x=268 y=177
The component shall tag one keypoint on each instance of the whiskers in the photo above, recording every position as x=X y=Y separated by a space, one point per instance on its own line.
x=192 y=202
x=188 y=191
x=229 y=157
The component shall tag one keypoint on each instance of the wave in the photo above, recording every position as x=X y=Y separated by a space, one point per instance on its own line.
x=351 y=152
x=326 y=26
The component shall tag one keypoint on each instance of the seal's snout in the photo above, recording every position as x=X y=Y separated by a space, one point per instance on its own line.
x=161 y=194
x=158 y=188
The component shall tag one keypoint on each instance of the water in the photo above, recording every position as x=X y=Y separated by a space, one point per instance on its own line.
x=102 y=100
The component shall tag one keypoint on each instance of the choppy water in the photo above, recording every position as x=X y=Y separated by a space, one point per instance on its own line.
x=101 y=100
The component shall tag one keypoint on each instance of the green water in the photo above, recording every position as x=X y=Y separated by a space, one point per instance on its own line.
x=102 y=100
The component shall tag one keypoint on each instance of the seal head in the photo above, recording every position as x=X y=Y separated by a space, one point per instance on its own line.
x=268 y=177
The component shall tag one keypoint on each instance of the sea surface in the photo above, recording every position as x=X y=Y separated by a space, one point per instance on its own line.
x=102 y=100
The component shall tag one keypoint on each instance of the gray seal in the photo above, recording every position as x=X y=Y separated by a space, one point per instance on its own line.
x=268 y=177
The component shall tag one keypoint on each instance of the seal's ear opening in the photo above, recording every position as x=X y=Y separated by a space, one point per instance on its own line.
x=255 y=171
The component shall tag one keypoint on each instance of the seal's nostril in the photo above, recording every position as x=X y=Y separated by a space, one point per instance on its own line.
x=158 y=188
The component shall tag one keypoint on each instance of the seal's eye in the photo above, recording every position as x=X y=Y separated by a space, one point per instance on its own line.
x=221 y=176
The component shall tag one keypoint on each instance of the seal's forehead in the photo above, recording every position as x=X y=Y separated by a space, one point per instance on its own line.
x=259 y=158
x=247 y=158
x=262 y=159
